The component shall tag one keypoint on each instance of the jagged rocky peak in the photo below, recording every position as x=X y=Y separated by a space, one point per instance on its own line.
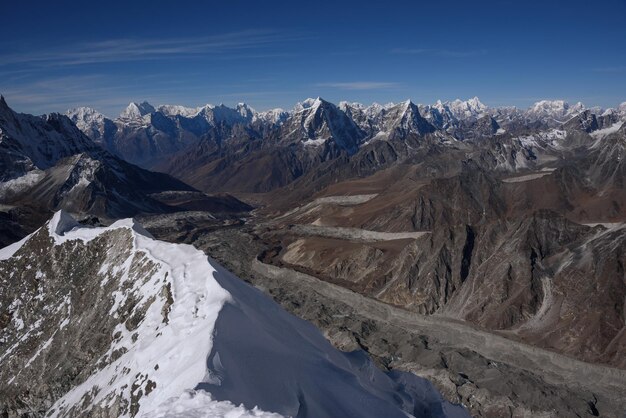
x=438 y=115
x=313 y=105
x=246 y=112
x=316 y=106
x=315 y=121
x=42 y=139
x=137 y=110
x=306 y=104
x=404 y=118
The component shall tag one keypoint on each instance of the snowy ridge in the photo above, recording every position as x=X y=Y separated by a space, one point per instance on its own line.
x=165 y=354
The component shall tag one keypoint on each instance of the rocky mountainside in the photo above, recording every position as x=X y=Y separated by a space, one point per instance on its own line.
x=113 y=323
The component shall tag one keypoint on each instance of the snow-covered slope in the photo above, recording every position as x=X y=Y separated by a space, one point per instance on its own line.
x=114 y=323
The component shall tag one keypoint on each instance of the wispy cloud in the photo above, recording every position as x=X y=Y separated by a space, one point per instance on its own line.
x=614 y=69
x=127 y=50
x=361 y=85
x=60 y=93
x=448 y=53
x=111 y=94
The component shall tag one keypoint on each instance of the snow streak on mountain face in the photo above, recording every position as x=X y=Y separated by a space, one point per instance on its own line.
x=112 y=322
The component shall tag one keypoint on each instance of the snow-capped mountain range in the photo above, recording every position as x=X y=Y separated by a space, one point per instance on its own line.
x=143 y=133
x=458 y=110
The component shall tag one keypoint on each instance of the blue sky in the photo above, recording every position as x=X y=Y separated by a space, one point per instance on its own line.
x=61 y=54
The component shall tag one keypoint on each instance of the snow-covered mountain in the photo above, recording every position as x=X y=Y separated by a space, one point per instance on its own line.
x=401 y=120
x=388 y=121
x=316 y=121
x=136 y=111
x=439 y=115
x=176 y=110
x=93 y=123
x=558 y=110
x=467 y=109
x=114 y=323
x=272 y=117
x=47 y=162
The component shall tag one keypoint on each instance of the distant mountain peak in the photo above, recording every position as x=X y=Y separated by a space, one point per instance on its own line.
x=84 y=113
x=274 y=116
x=465 y=109
x=177 y=110
x=309 y=103
x=556 y=109
x=137 y=110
